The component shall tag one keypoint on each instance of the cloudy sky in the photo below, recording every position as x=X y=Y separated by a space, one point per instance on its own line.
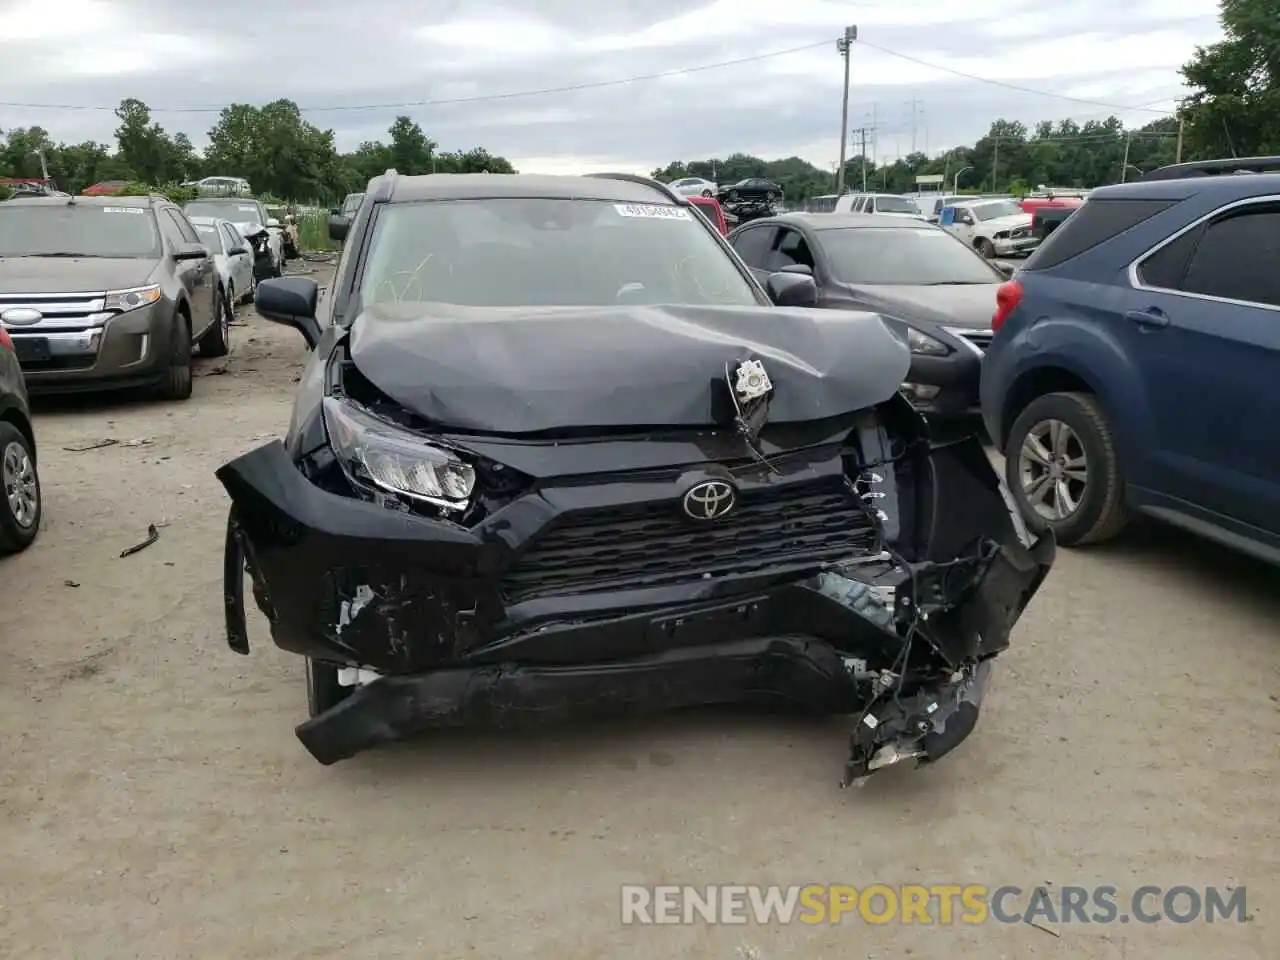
x=351 y=66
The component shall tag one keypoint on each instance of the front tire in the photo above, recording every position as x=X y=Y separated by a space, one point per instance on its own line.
x=22 y=506
x=176 y=384
x=1062 y=468
x=987 y=248
x=323 y=690
x=216 y=341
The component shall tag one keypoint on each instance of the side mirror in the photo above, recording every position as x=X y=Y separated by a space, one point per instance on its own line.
x=338 y=227
x=291 y=301
x=792 y=290
x=190 y=251
x=334 y=211
x=238 y=251
x=798 y=269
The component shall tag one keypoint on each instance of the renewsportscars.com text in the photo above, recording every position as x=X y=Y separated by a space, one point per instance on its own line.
x=933 y=904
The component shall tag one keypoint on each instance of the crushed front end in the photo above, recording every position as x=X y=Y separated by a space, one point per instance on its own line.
x=847 y=565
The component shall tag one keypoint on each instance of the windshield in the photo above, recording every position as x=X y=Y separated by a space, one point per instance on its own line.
x=237 y=211
x=895 y=205
x=1000 y=208
x=538 y=252
x=77 y=230
x=351 y=203
x=210 y=237
x=871 y=255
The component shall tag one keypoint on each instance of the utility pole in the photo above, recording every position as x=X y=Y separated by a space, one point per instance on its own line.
x=1124 y=167
x=44 y=166
x=1177 y=157
x=914 y=107
x=861 y=133
x=995 y=164
x=844 y=45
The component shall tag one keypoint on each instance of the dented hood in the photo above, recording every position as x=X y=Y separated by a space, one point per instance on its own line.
x=525 y=370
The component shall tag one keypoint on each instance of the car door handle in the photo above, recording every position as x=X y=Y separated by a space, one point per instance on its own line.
x=1148 y=319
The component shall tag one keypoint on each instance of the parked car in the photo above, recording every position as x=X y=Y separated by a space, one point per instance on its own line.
x=104 y=188
x=583 y=461
x=221 y=187
x=694 y=187
x=340 y=217
x=885 y=204
x=232 y=259
x=106 y=292
x=254 y=223
x=36 y=187
x=1134 y=365
x=750 y=199
x=21 y=506
x=934 y=291
x=709 y=207
x=995 y=228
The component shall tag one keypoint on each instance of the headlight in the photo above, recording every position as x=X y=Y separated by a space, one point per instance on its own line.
x=924 y=344
x=132 y=299
x=376 y=452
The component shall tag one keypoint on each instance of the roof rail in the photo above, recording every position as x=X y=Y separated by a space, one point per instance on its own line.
x=643 y=181
x=385 y=185
x=1213 y=168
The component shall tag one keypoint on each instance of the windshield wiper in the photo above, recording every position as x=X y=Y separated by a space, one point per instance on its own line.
x=954 y=283
x=63 y=254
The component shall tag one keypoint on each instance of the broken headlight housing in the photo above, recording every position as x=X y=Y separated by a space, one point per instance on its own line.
x=375 y=452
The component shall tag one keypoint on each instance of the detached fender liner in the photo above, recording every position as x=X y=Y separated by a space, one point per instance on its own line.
x=805 y=672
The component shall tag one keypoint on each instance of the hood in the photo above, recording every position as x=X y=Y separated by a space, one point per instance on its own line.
x=957 y=305
x=1011 y=222
x=528 y=370
x=73 y=274
x=248 y=228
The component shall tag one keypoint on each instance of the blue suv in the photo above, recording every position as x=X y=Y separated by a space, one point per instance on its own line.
x=1135 y=366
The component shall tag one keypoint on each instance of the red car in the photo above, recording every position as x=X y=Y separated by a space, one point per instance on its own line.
x=106 y=188
x=709 y=207
x=1032 y=204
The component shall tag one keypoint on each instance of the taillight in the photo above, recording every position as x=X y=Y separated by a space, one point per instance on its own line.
x=1008 y=296
x=6 y=341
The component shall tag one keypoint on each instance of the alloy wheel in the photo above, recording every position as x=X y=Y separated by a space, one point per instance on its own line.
x=1053 y=469
x=20 y=487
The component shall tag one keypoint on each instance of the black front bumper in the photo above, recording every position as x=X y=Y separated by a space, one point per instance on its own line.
x=438 y=610
x=957 y=377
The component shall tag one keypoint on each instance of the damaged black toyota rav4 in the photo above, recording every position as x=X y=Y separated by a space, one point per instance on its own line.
x=557 y=454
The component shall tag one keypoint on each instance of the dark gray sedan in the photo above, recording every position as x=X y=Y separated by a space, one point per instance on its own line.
x=936 y=292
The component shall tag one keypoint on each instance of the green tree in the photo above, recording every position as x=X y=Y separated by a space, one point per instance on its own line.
x=1235 y=107
x=410 y=150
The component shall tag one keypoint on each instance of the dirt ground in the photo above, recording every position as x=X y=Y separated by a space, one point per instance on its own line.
x=154 y=802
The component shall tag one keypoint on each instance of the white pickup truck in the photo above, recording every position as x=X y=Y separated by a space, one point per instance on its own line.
x=995 y=228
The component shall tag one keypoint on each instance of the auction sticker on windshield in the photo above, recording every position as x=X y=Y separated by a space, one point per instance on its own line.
x=651 y=210
x=137 y=210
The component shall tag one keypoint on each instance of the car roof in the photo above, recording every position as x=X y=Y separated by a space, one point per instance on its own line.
x=82 y=201
x=1226 y=187
x=844 y=221
x=486 y=186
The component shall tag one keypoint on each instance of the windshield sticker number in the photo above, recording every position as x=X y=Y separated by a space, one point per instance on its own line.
x=137 y=210
x=651 y=211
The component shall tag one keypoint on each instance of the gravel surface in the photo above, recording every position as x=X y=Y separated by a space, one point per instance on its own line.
x=154 y=802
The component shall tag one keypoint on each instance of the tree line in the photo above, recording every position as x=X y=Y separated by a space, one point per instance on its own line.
x=272 y=147
x=1233 y=109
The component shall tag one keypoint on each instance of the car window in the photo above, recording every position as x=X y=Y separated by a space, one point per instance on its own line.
x=895 y=205
x=513 y=252
x=237 y=211
x=1227 y=260
x=753 y=245
x=1166 y=267
x=789 y=250
x=905 y=256
x=993 y=211
x=210 y=236
x=1089 y=225
x=230 y=237
x=85 y=230
x=187 y=231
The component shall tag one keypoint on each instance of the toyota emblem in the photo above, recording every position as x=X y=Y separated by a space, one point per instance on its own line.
x=710 y=500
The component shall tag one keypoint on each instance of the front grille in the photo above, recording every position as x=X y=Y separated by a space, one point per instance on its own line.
x=655 y=545
x=60 y=311
x=978 y=339
x=1020 y=233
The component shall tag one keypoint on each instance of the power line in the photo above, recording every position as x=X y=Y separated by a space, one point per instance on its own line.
x=1008 y=86
x=479 y=98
